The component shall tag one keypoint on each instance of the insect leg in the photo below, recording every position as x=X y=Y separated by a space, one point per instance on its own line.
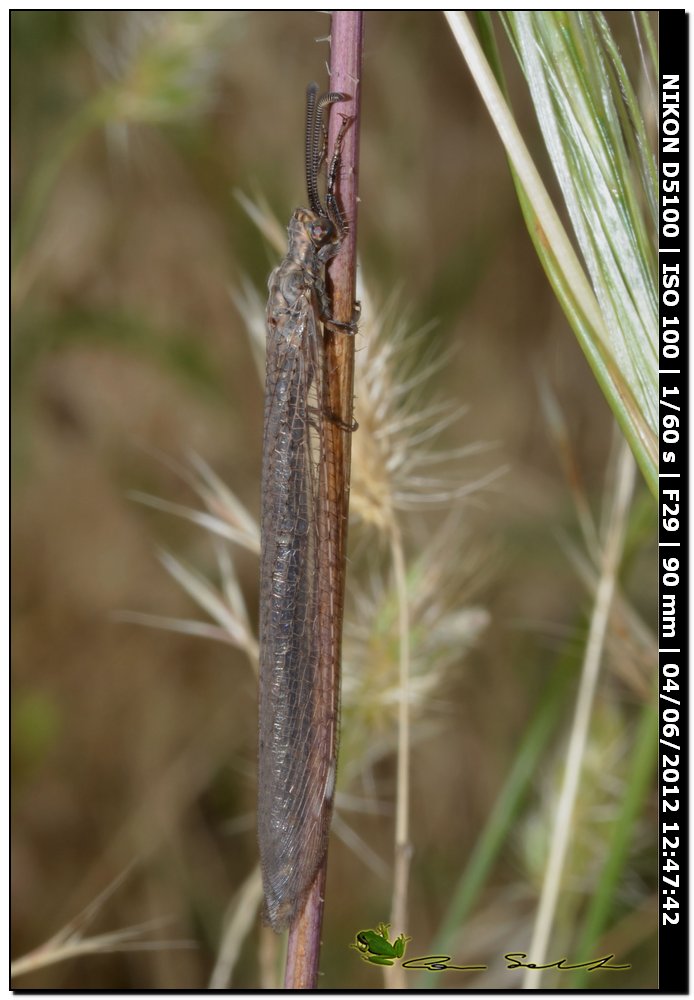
x=333 y=209
x=316 y=140
x=314 y=413
x=320 y=137
x=350 y=327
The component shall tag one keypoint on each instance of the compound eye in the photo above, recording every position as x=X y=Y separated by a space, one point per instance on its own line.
x=321 y=232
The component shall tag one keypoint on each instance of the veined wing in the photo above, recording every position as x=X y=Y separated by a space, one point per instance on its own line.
x=297 y=708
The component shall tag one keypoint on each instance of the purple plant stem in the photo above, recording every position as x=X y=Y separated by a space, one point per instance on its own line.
x=303 y=949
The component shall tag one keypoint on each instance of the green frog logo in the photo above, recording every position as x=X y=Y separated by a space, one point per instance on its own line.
x=375 y=946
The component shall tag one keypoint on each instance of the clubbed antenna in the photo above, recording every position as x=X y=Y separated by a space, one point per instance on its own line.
x=311 y=159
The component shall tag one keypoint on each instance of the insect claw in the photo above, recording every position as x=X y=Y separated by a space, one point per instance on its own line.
x=342 y=424
x=350 y=328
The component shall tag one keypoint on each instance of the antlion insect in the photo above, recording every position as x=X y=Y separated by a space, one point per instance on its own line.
x=299 y=687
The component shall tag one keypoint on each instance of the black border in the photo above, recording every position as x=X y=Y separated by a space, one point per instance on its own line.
x=673 y=531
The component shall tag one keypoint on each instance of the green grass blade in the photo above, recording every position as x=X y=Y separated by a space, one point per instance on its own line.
x=577 y=81
x=501 y=819
x=602 y=902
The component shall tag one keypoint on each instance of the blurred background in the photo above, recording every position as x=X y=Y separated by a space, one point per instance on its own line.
x=134 y=748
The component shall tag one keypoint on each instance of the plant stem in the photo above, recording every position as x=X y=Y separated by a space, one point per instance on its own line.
x=604 y=595
x=303 y=946
x=395 y=975
x=345 y=70
x=600 y=908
